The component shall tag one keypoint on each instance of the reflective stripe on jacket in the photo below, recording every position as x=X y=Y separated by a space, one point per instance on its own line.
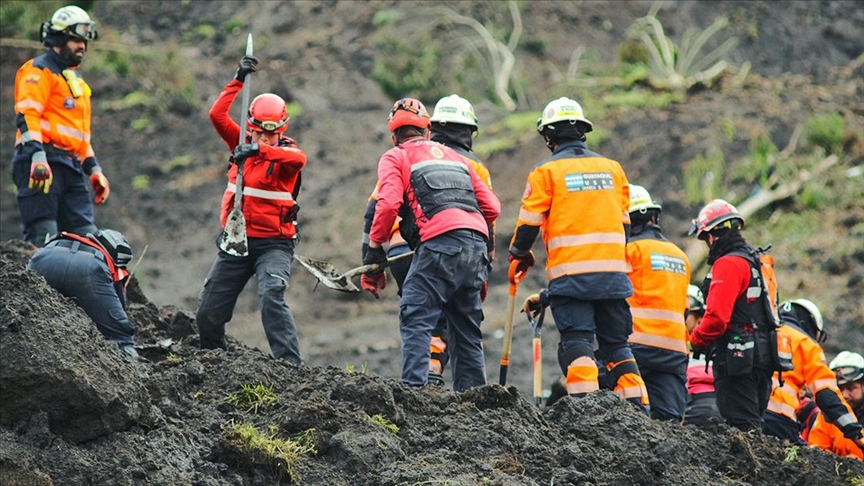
x=811 y=371
x=47 y=112
x=660 y=275
x=394 y=175
x=271 y=179
x=580 y=201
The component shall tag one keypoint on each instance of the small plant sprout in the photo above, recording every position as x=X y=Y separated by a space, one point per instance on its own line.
x=253 y=397
x=267 y=446
x=381 y=421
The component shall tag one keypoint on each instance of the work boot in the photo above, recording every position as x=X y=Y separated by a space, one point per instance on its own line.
x=558 y=391
x=436 y=379
x=129 y=352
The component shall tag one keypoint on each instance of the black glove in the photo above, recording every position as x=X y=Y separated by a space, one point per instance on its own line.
x=244 y=151
x=249 y=64
x=526 y=260
x=852 y=431
x=375 y=256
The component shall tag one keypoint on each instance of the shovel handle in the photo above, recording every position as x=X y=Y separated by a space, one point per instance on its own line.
x=536 y=326
x=507 y=344
x=375 y=266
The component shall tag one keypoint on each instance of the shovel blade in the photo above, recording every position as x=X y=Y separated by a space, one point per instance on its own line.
x=327 y=274
x=233 y=241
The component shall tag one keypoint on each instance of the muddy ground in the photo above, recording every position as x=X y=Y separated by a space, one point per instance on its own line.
x=75 y=412
x=72 y=412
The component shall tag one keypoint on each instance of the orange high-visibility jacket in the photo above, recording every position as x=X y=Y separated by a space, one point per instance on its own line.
x=48 y=111
x=811 y=370
x=827 y=436
x=660 y=275
x=581 y=201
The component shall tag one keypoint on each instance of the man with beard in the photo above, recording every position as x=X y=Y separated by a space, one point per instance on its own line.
x=52 y=143
x=848 y=367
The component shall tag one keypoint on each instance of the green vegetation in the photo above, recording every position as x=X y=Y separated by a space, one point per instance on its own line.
x=703 y=176
x=268 y=447
x=173 y=359
x=409 y=68
x=22 y=18
x=679 y=67
x=141 y=124
x=381 y=421
x=826 y=131
x=253 y=397
x=352 y=368
x=141 y=182
x=178 y=162
x=791 y=454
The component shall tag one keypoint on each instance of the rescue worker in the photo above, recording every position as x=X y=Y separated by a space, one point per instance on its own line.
x=91 y=270
x=446 y=210
x=660 y=274
x=701 y=397
x=271 y=183
x=849 y=371
x=802 y=331
x=52 y=142
x=581 y=202
x=738 y=322
x=454 y=124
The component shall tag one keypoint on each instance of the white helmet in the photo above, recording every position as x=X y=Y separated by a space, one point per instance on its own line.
x=848 y=367
x=72 y=20
x=640 y=200
x=562 y=109
x=810 y=309
x=454 y=109
x=695 y=300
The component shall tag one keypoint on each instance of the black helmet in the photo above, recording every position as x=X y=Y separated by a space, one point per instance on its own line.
x=117 y=246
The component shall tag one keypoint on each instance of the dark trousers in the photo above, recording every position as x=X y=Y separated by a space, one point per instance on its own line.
x=700 y=408
x=270 y=261
x=83 y=275
x=445 y=277
x=782 y=427
x=665 y=376
x=66 y=207
x=742 y=399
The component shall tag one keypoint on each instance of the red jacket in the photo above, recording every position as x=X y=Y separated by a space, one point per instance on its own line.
x=730 y=277
x=394 y=176
x=271 y=180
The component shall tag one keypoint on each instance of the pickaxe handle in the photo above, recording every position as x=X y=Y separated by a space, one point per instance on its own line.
x=375 y=266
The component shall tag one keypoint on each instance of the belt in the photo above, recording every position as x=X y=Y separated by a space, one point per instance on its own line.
x=81 y=247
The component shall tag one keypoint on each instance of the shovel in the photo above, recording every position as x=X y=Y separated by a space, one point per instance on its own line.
x=507 y=346
x=536 y=326
x=233 y=241
x=332 y=279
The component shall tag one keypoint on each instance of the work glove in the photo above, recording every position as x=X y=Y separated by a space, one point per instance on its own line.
x=483 y=291
x=249 y=64
x=244 y=151
x=526 y=261
x=374 y=283
x=853 y=431
x=41 y=176
x=375 y=256
x=533 y=305
x=100 y=186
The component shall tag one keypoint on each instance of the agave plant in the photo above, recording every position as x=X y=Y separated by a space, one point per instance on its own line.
x=677 y=68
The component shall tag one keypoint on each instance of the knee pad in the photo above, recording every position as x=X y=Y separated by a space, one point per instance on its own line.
x=576 y=358
x=627 y=381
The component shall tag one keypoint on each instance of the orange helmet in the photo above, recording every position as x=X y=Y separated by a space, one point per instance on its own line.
x=268 y=113
x=408 y=112
x=714 y=215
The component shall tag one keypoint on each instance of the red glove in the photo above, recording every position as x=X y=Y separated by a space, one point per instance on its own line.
x=374 y=283
x=526 y=261
x=40 y=174
x=483 y=291
x=100 y=187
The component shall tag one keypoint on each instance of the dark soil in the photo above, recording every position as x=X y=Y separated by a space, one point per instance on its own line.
x=72 y=411
x=75 y=412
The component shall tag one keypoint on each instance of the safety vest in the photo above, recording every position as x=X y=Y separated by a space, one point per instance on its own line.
x=580 y=201
x=811 y=371
x=52 y=106
x=660 y=275
x=828 y=437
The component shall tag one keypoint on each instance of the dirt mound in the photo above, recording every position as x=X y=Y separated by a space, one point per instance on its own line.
x=75 y=412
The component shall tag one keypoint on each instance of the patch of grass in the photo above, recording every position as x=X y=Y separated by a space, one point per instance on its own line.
x=18 y=18
x=141 y=124
x=381 y=421
x=253 y=397
x=352 y=368
x=826 y=131
x=856 y=480
x=178 y=162
x=141 y=182
x=791 y=454
x=267 y=446
x=703 y=176
x=640 y=98
x=233 y=25
x=384 y=17
x=173 y=359
x=409 y=68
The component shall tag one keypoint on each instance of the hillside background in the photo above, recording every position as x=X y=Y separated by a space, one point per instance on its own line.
x=790 y=99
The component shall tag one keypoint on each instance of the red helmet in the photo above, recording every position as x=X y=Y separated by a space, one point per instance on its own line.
x=408 y=112
x=268 y=113
x=714 y=215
